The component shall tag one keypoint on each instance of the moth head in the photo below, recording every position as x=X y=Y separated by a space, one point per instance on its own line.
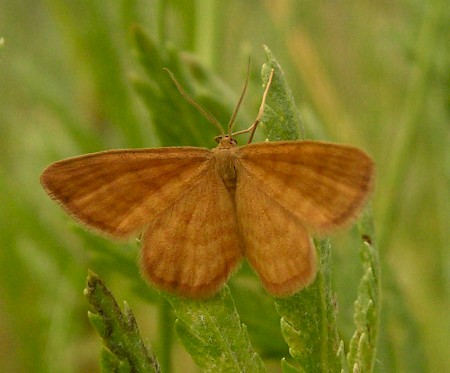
x=225 y=141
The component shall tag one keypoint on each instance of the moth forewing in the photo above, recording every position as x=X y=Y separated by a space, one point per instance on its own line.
x=324 y=185
x=118 y=192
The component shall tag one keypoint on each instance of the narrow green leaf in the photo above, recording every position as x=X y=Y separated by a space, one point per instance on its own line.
x=362 y=349
x=342 y=358
x=308 y=320
x=98 y=323
x=212 y=333
x=110 y=363
x=118 y=330
x=288 y=368
x=281 y=120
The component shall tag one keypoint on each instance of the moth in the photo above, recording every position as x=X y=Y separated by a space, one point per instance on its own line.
x=202 y=211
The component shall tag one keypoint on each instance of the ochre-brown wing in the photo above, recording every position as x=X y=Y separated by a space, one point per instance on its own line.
x=324 y=185
x=193 y=247
x=119 y=192
x=276 y=243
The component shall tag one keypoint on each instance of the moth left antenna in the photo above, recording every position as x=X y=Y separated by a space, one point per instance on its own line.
x=195 y=104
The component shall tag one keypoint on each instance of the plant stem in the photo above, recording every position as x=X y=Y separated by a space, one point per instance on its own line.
x=165 y=329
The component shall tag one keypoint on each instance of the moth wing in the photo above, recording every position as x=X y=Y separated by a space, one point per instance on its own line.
x=276 y=243
x=192 y=248
x=119 y=192
x=324 y=185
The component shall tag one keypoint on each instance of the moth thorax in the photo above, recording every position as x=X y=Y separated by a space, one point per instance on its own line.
x=225 y=163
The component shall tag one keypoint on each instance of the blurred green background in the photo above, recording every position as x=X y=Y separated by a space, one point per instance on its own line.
x=375 y=74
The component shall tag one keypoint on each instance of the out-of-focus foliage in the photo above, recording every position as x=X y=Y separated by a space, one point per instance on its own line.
x=373 y=74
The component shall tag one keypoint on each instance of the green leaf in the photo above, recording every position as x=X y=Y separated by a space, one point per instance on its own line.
x=110 y=363
x=308 y=320
x=362 y=349
x=281 y=120
x=212 y=333
x=288 y=368
x=124 y=349
x=343 y=359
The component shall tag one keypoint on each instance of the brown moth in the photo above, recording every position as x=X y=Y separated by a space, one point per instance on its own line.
x=202 y=211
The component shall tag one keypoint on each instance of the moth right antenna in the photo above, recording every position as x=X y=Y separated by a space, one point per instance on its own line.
x=238 y=105
x=252 y=128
